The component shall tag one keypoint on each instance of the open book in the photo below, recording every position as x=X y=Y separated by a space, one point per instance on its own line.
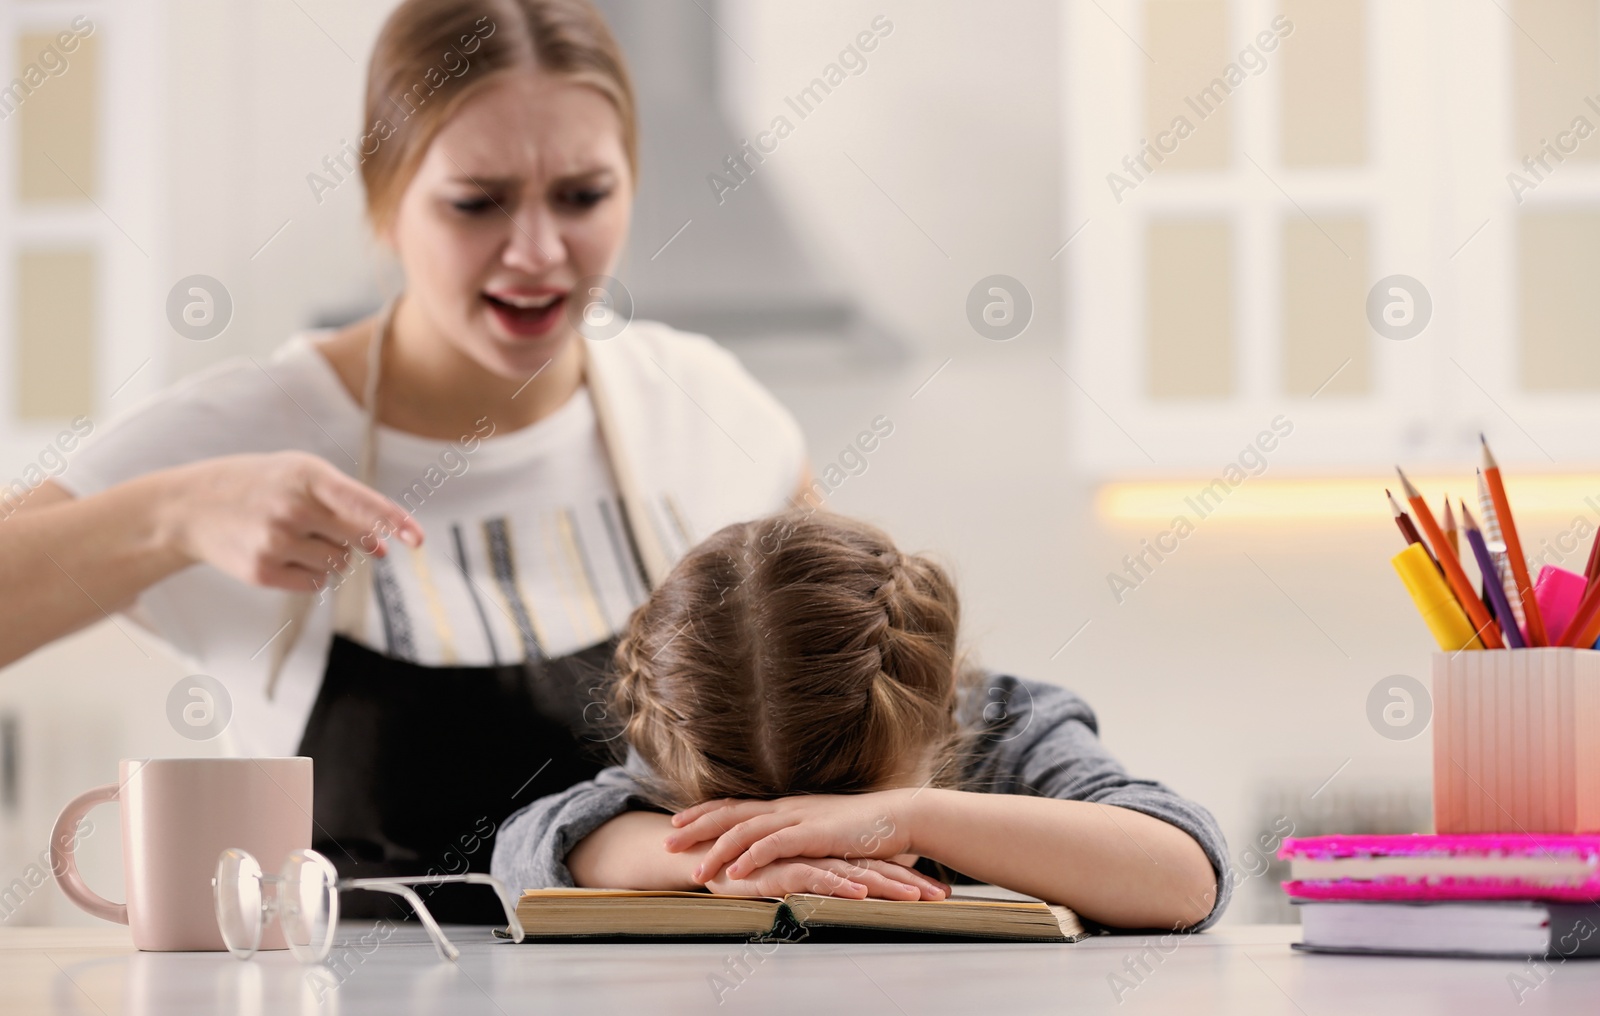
x=980 y=912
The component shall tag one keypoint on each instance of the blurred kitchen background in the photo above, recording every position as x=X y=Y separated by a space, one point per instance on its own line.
x=1181 y=295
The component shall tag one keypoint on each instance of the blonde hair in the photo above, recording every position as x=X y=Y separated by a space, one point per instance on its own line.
x=432 y=55
x=800 y=653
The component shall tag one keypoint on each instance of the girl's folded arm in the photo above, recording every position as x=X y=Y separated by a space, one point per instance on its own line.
x=533 y=846
x=1042 y=743
x=626 y=853
x=592 y=835
x=589 y=835
x=1113 y=865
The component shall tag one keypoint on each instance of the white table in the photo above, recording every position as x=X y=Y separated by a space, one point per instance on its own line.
x=1248 y=969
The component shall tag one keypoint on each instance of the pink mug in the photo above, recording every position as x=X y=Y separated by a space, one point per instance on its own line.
x=178 y=814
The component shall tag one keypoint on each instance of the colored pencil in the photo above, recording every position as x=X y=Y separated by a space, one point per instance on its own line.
x=1497 y=593
x=1519 y=564
x=1585 y=626
x=1497 y=550
x=1594 y=559
x=1482 y=623
x=1451 y=533
x=1408 y=529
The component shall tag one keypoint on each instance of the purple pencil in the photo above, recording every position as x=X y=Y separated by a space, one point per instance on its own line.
x=1497 y=592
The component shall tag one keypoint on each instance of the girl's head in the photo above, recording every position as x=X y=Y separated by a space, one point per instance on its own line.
x=499 y=153
x=800 y=653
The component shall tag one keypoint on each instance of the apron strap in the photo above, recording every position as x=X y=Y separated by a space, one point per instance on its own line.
x=350 y=597
x=652 y=557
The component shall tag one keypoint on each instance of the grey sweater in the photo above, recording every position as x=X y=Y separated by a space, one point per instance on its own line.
x=1029 y=737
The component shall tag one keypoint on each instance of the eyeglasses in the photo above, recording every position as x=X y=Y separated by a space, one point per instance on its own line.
x=305 y=903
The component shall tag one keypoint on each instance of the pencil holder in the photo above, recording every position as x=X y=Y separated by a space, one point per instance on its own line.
x=1516 y=741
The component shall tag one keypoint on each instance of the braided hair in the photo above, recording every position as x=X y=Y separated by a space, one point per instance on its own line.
x=794 y=654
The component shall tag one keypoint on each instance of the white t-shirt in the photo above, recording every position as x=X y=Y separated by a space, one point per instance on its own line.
x=526 y=553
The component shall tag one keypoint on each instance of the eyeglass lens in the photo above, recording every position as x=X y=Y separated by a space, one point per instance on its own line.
x=308 y=904
x=240 y=912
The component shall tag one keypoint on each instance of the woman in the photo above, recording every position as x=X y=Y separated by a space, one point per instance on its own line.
x=538 y=482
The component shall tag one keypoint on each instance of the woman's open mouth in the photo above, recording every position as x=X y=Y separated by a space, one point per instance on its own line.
x=527 y=314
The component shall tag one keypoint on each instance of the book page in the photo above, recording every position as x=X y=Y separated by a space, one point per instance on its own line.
x=990 y=892
x=578 y=892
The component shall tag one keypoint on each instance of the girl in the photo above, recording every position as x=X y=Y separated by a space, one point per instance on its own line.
x=793 y=695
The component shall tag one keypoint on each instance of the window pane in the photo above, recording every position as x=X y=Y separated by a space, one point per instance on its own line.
x=1556 y=56
x=55 y=334
x=54 y=98
x=1324 y=107
x=1325 y=330
x=1189 y=341
x=1188 y=45
x=1559 y=317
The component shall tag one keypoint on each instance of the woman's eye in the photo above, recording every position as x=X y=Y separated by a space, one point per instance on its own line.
x=584 y=199
x=471 y=206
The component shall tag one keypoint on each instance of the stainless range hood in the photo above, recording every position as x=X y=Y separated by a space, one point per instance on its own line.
x=734 y=270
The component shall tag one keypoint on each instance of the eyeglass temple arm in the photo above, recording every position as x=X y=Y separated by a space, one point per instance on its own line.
x=447 y=951
x=474 y=877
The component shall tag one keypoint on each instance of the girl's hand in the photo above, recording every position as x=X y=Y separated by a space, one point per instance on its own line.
x=282 y=520
x=751 y=835
x=831 y=876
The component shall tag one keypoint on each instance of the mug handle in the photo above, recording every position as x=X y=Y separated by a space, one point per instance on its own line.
x=64 y=862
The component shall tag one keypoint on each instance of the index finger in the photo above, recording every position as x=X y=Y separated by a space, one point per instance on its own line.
x=693 y=812
x=356 y=503
x=711 y=824
x=737 y=844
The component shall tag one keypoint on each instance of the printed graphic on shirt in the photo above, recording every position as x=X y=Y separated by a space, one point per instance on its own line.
x=517 y=586
x=396 y=625
x=502 y=564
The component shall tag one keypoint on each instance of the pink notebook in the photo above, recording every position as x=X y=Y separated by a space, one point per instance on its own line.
x=1488 y=866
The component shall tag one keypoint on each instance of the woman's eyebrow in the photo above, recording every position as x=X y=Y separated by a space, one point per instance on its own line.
x=482 y=181
x=597 y=173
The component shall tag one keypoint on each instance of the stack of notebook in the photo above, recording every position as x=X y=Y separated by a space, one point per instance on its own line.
x=1500 y=894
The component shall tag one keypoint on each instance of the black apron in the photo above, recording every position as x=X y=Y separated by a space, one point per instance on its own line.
x=416 y=767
